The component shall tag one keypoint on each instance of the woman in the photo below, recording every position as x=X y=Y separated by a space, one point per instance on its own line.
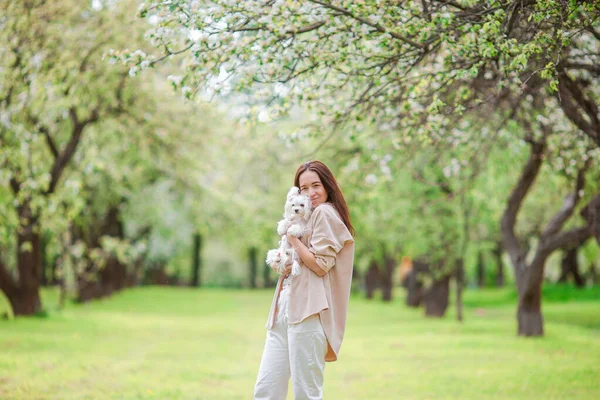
x=307 y=320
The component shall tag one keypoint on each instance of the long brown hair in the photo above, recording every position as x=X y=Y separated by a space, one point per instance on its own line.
x=334 y=192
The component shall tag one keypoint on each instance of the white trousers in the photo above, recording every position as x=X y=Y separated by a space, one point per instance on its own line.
x=296 y=350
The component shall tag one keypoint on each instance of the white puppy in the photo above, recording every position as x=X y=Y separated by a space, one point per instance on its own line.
x=277 y=259
x=297 y=211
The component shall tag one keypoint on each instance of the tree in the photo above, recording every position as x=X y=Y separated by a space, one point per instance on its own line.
x=53 y=90
x=79 y=139
x=529 y=274
x=405 y=66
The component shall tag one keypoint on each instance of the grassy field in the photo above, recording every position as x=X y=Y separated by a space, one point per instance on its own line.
x=165 y=343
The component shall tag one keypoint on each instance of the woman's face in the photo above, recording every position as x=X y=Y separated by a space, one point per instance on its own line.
x=310 y=185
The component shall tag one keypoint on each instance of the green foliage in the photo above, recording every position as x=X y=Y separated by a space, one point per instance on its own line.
x=397 y=66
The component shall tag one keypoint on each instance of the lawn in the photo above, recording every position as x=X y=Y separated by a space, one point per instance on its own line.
x=168 y=343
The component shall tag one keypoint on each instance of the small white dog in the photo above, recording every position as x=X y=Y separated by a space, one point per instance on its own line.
x=277 y=259
x=298 y=209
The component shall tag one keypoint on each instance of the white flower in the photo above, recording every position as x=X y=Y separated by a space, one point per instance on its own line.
x=176 y=79
x=196 y=35
x=371 y=179
x=133 y=71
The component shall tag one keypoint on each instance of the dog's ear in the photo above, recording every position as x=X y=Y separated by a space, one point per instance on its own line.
x=293 y=192
x=308 y=212
x=308 y=209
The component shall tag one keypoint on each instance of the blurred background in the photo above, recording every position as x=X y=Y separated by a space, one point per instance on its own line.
x=152 y=144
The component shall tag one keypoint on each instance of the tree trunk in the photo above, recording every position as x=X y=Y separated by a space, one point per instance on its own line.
x=44 y=266
x=499 y=265
x=114 y=273
x=196 y=261
x=460 y=279
x=372 y=279
x=98 y=282
x=387 y=282
x=156 y=274
x=24 y=302
x=480 y=270
x=26 y=299
x=413 y=283
x=529 y=313
x=88 y=290
x=570 y=266
x=54 y=280
x=355 y=280
x=252 y=252
x=437 y=297
x=133 y=278
x=528 y=277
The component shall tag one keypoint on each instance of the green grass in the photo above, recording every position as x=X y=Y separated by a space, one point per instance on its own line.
x=167 y=343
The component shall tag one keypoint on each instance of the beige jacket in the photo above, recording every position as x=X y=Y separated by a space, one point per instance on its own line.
x=333 y=247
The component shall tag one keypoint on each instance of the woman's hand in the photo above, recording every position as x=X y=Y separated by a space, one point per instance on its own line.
x=293 y=241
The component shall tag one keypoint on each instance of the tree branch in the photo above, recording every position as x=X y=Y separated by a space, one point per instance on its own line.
x=594 y=32
x=171 y=53
x=509 y=218
x=50 y=141
x=570 y=238
x=571 y=201
x=573 y=101
x=91 y=51
x=119 y=95
x=365 y=21
x=291 y=32
x=591 y=213
x=588 y=67
x=15 y=185
x=63 y=159
x=453 y=4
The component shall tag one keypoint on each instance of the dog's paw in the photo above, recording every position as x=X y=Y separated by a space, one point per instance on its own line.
x=296 y=230
x=282 y=227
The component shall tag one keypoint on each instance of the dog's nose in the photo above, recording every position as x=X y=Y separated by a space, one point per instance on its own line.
x=296 y=211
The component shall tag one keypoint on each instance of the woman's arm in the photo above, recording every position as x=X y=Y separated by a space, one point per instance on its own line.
x=307 y=257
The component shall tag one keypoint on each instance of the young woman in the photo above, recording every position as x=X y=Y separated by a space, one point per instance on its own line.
x=307 y=320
